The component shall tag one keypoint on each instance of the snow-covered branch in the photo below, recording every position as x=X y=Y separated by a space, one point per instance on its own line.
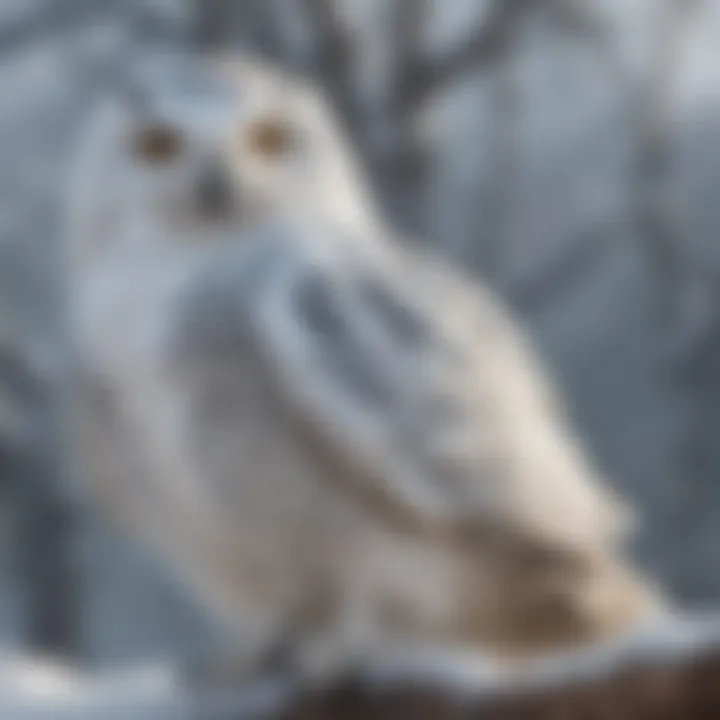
x=667 y=672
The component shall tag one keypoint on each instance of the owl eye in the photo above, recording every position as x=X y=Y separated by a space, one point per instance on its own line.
x=270 y=138
x=157 y=144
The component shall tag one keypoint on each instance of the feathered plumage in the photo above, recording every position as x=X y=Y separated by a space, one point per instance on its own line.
x=327 y=433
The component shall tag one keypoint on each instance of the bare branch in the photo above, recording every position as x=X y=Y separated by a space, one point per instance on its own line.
x=332 y=45
x=430 y=75
x=407 y=23
x=332 y=63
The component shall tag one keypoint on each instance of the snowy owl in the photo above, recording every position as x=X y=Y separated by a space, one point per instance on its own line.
x=333 y=439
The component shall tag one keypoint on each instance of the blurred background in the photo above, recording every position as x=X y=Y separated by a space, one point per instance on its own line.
x=565 y=151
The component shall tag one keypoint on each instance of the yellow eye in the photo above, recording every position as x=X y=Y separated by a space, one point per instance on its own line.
x=270 y=138
x=158 y=144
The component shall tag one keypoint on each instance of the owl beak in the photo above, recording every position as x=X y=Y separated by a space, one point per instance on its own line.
x=214 y=191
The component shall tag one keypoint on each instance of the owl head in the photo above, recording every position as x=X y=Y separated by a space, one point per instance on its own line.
x=199 y=148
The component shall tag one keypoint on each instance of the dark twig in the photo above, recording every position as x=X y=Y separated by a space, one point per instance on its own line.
x=210 y=19
x=430 y=75
x=401 y=158
x=407 y=23
x=333 y=50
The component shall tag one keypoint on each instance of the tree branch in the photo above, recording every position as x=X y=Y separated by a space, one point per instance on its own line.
x=430 y=75
x=332 y=46
x=665 y=674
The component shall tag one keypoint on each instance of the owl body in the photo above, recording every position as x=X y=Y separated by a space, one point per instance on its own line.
x=330 y=437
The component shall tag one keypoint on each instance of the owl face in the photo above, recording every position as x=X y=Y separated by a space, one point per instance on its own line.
x=206 y=149
x=209 y=160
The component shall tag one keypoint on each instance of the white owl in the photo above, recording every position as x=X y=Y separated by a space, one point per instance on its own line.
x=334 y=440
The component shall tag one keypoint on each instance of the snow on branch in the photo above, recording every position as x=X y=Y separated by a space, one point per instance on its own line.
x=671 y=671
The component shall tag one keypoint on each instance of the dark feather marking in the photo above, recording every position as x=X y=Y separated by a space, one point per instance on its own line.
x=342 y=353
x=402 y=321
x=318 y=311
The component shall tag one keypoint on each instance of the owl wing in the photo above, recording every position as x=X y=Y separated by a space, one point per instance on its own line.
x=421 y=389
